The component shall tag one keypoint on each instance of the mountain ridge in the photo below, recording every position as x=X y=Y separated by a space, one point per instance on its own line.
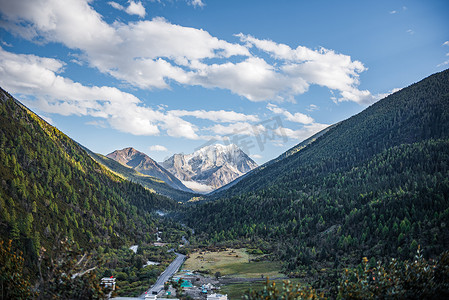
x=144 y=164
x=152 y=183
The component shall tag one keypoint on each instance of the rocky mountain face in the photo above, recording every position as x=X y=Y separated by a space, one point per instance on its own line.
x=210 y=167
x=143 y=164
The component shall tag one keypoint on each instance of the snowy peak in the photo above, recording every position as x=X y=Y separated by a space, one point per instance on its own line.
x=210 y=167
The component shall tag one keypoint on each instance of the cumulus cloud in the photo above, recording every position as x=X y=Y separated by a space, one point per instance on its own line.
x=196 y=3
x=134 y=8
x=296 y=117
x=216 y=116
x=152 y=54
x=158 y=148
x=300 y=134
x=33 y=75
x=39 y=76
x=238 y=128
x=309 y=128
x=323 y=67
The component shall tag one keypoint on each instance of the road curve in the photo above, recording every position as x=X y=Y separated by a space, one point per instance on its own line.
x=169 y=271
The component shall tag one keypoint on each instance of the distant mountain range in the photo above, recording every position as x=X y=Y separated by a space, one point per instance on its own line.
x=144 y=164
x=210 y=167
x=152 y=183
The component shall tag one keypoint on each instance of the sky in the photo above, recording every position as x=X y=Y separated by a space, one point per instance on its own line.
x=172 y=76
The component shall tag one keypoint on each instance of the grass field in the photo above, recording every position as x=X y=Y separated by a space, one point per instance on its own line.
x=235 y=263
x=232 y=263
x=237 y=290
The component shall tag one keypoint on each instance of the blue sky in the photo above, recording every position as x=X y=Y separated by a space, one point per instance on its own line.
x=170 y=76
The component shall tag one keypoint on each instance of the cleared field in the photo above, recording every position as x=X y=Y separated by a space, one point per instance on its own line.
x=237 y=290
x=232 y=263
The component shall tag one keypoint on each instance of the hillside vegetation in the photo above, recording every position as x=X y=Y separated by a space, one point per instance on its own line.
x=52 y=191
x=374 y=185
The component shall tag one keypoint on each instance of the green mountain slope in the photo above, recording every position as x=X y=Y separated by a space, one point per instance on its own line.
x=373 y=185
x=154 y=184
x=217 y=193
x=51 y=188
x=415 y=113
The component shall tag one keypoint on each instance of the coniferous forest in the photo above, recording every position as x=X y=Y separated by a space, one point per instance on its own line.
x=375 y=185
x=58 y=204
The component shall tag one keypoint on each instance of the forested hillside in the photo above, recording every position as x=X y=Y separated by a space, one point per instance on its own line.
x=415 y=113
x=52 y=189
x=374 y=185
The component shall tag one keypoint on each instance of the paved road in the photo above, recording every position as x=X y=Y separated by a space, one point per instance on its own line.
x=169 y=271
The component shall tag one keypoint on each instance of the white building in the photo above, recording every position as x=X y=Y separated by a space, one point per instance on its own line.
x=217 y=297
x=108 y=282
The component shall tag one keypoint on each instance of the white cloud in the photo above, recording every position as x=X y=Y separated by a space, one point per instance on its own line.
x=198 y=187
x=33 y=75
x=297 y=117
x=47 y=119
x=177 y=127
x=134 y=8
x=383 y=95
x=322 y=67
x=99 y=124
x=312 y=107
x=196 y=3
x=216 y=116
x=300 y=134
x=158 y=148
x=153 y=54
x=410 y=31
x=238 y=128
x=256 y=156
x=38 y=76
x=6 y=44
x=446 y=43
x=393 y=12
x=116 y=5
x=252 y=78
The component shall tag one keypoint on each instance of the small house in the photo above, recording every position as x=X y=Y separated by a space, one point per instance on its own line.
x=217 y=297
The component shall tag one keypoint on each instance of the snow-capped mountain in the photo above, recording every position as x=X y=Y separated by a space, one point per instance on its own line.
x=144 y=164
x=210 y=167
